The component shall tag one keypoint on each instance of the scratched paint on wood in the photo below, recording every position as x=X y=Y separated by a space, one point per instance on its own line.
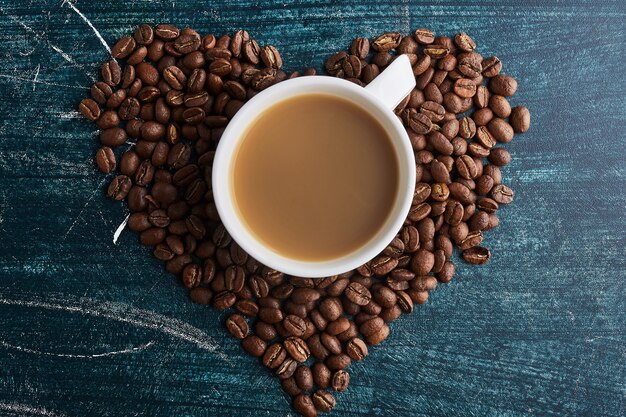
x=91 y=325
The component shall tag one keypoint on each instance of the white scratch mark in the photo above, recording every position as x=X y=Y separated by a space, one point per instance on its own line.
x=27 y=53
x=36 y=75
x=71 y=60
x=50 y=44
x=80 y=213
x=13 y=77
x=119 y=229
x=19 y=22
x=127 y=314
x=23 y=409
x=73 y=114
x=82 y=16
x=71 y=355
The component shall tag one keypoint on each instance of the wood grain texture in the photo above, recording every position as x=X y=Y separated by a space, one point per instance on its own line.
x=93 y=328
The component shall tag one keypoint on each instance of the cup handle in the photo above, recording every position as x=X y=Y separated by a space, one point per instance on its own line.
x=394 y=83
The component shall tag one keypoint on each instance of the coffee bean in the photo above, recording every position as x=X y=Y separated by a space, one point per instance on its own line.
x=166 y=32
x=477 y=255
x=270 y=57
x=500 y=157
x=304 y=377
x=123 y=48
x=89 y=109
x=111 y=73
x=503 y=85
x=340 y=381
x=286 y=369
x=500 y=106
x=274 y=356
x=105 y=159
x=297 y=349
x=386 y=41
x=356 y=349
x=357 y=293
x=200 y=295
x=324 y=401
x=470 y=64
x=290 y=387
x=417 y=122
x=294 y=325
x=464 y=42
x=491 y=66
x=224 y=300
x=501 y=130
x=520 y=119
x=502 y=194
x=464 y=87
x=424 y=36
x=360 y=47
x=436 y=51
x=254 y=346
x=304 y=405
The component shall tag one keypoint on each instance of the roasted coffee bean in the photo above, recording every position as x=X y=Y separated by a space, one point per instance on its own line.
x=111 y=73
x=119 y=187
x=357 y=293
x=477 y=255
x=338 y=361
x=417 y=122
x=360 y=47
x=224 y=300
x=503 y=85
x=520 y=119
x=270 y=57
x=105 y=159
x=297 y=349
x=323 y=400
x=387 y=41
x=502 y=194
x=340 y=381
x=304 y=377
x=499 y=157
x=500 y=106
x=321 y=375
x=254 y=345
x=422 y=262
x=100 y=92
x=286 y=369
x=294 y=325
x=491 y=66
x=500 y=130
x=331 y=307
x=237 y=326
x=304 y=405
x=305 y=295
x=274 y=356
x=192 y=275
x=89 y=109
x=436 y=51
x=464 y=42
x=290 y=387
x=123 y=48
x=201 y=295
x=356 y=349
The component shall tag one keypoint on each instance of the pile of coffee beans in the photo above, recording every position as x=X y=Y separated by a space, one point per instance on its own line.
x=161 y=107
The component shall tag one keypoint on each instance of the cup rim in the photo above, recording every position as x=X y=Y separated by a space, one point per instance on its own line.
x=225 y=156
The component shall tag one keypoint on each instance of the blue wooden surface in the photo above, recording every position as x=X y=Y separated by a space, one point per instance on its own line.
x=92 y=328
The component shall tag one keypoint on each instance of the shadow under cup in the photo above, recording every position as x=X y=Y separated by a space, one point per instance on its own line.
x=313 y=179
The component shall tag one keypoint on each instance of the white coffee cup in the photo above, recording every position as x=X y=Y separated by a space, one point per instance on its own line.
x=379 y=99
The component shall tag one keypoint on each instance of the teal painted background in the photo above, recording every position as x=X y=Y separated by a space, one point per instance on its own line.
x=92 y=328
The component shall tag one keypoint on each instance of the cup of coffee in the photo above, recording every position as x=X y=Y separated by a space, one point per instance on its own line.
x=314 y=176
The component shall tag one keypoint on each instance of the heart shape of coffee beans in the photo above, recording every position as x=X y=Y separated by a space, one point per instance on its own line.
x=175 y=93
